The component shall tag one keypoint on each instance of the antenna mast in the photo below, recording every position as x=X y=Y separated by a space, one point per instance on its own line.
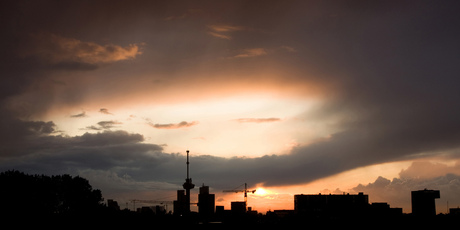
x=187 y=186
x=187 y=166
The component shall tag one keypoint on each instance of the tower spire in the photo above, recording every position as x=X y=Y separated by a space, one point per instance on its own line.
x=188 y=185
x=188 y=166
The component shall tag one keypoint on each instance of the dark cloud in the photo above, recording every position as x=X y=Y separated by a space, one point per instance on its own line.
x=183 y=124
x=39 y=127
x=82 y=114
x=105 y=111
x=18 y=137
x=108 y=124
x=107 y=138
x=103 y=125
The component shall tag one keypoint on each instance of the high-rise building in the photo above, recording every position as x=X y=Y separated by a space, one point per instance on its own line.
x=180 y=205
x=206 y=202
x=423 y=202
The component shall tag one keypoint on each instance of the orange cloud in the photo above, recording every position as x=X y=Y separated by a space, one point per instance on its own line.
x=225 y=28
x=219 y=31
x=57 y=49
x=217 y=35
x=251 y=53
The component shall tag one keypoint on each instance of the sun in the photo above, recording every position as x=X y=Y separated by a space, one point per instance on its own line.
x=261 y=192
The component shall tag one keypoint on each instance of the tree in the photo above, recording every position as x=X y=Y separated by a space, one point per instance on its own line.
x=34 y=195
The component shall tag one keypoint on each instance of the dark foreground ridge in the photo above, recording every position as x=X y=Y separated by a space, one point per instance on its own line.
x=65 y=201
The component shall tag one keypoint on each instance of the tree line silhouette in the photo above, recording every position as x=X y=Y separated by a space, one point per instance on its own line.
x=41 y=195
x=61 y=201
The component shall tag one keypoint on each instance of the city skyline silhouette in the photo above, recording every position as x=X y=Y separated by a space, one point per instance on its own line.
x=49 y=200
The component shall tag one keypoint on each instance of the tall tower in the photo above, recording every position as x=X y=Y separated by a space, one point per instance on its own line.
x=187 y=186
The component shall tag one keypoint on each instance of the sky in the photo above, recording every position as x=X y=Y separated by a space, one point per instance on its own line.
x=290 y=97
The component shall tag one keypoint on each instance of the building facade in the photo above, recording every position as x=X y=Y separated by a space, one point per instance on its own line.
x=423 y=202
x=206 y=202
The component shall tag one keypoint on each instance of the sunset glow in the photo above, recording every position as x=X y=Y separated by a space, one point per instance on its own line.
x=261 y=192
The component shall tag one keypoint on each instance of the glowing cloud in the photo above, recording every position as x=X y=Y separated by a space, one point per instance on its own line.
x=225 y=28
x=57 y=50
x=245 y=53
x=217 y=35
x=218 y=30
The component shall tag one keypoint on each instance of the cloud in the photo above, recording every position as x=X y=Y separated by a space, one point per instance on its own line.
x=398 y=191
x=71 y=53
x=217 y=35
x=107 y=138
x=105 y=111
x=40 y=127
x=103 y=125
x=223 y=31
x=427 y=170
x=100 y=151
x=225 y=28
x=180 y=125
x=82 y=114
x=108 y=124
x=257 y=120
x=419 y=175
x=254 y=52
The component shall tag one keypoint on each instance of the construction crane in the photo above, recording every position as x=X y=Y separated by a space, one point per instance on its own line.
x=245 y=191
x=134 y=201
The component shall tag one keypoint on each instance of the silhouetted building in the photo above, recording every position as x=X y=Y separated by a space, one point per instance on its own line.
x=423 y=202
x=238 y=207
x=206 y=202
x=113 y=205
x=282 y=213
x=181 y=205
x=384 y=210
x=152 y=210
x=330 y=205
x=251 y=212
x=454 y=211
x=220 y=212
